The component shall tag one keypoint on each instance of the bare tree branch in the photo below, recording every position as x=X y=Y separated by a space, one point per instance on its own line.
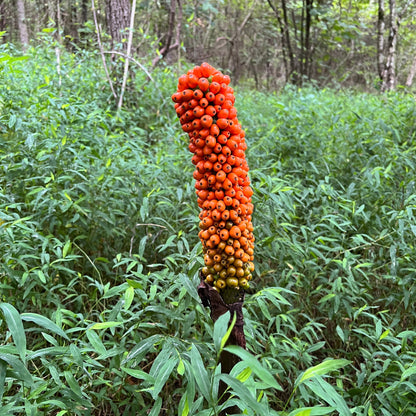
x=168 y=47
x=133 y=60
x=126 y=64
x=102 y=50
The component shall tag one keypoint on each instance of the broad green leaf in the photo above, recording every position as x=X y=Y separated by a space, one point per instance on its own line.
x=220 y=328
x=181 y=368
x=312 y=411
x=384 y=334
x=41 y=275
x=328 y=393
x=190 y=288
x=156 y=407
x=44 y=322
x=95 y=341
x=15 y=325
x=162 y=376
x=142 y=348
x=18 y=367
x=184 y=405
x=105 y=325
x=201 y=375
x=3 y=368
x=224 y=339
x=244 y=394
x=134 y=284
x=244 y=375
x=322 y=369
x=408 y=372
x=139 y=374
x=72 y=383
x=128 y=297
x=57 y=403
x=67 y=248
x=255 y=366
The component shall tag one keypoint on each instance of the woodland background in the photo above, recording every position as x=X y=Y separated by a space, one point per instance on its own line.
x=367 y=44
x=99 y=248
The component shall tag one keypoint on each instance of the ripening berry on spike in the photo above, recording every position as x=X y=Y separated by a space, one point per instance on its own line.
x=204 y=103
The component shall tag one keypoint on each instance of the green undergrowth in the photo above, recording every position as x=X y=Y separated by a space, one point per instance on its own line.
x=99 y=252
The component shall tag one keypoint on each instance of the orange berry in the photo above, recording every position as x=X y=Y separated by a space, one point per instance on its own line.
x=220 y=206
x=222 y=123
x=224 y=234
x=198 y=94
x=215 y=87
x=221 y=176
x=203 y=84
x=206 y=121
x=235 y=232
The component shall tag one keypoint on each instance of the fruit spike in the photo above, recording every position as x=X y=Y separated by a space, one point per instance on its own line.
x=204 y=103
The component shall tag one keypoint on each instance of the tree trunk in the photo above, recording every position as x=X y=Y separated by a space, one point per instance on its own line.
x=308 y=51
x=282 y=39
x=84 y=11
x=389 y=79
x=293 y=69
x=21 y=22
x=386 y=54
x=380 y=39
x=412 y=73
x=3 y=20
x=118 y=15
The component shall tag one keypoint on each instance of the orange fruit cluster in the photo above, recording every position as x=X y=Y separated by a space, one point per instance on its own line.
x=204 y=103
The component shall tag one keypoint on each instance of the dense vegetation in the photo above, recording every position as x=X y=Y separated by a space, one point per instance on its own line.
x=99 y=250
x=266 y=43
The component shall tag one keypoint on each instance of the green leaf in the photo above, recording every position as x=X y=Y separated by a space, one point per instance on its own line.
x=15 y=325
x=128 y=297
x=142 y=348
x=224 y=339
x=184 y=404
x=408 y=372
x=105 y=325
x=181 y=368
x=220 y=329
x=66 y=249
x=41 y=275
x=244 y=375
x=384 y=334
x=255 y=366
x=162 y=376
x=156 y=407
x=312 y=411
x=72 y=383
x=327 y=392
x=321 y=369
x=244 y=394
x=44 y=322
x=3 y=368
x=190 y=288
x=200 y=373
x=139 y=374
x=95 y=341
x=19 y=368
